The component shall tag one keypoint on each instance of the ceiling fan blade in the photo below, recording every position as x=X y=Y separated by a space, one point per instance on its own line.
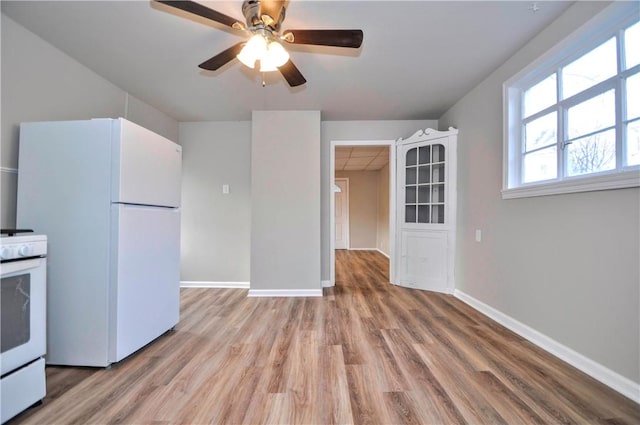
x=203 y=11
x=337 y=38
x=222 y=58
x=291 y=73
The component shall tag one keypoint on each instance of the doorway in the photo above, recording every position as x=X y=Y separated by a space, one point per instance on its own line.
x=367 y=156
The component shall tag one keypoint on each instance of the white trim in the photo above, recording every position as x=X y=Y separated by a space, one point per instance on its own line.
x=347 y=202
x=327 y=284
x=383 y=253
x=363 y=249
x=583 y=184
x=206 y=284
x=9 y=170
x=285 y=293
x=612 y=379
x=332 y=208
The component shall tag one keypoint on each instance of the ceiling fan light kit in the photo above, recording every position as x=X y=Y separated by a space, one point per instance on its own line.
x=263 y=21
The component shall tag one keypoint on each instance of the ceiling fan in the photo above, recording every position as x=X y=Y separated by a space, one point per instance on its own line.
x=263 y=21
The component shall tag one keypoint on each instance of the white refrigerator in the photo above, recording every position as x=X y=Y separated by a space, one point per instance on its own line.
x=106 y=192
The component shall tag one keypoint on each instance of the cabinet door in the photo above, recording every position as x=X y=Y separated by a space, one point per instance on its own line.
x=425 y=212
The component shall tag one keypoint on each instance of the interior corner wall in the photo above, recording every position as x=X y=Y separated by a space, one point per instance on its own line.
x=215 y=231
x=564 y=265
x=285 y=200
x=64 y=89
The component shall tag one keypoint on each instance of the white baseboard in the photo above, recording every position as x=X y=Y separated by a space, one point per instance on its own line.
x=612 y=379
x=285 y=293
x=362 y=249
x=326 y=284
x=204 y=284
x=383 y=253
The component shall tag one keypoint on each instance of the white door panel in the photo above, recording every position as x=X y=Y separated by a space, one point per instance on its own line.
x=147 y=276
x=424 y=260
x=147 y=167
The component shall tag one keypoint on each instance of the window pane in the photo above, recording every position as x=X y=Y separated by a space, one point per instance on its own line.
x=540 y=96
x=438 y=153
x=410 y=175
x=540 y=132
x=592 y=154
x=633 y=143
x=410 y=195
x=437 y=214
x=592 y=115
x=437 y=193
x=423 y=194
x=423 y=214
x=633 y=97
x=412 y=156
x=540 y=165
x=632 y=45
x=592 y=68
x=410 y=214
x=425 y=154
x=438 y=173
x=423 y=174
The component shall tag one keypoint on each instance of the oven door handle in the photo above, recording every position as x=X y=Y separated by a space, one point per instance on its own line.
x=20 y=266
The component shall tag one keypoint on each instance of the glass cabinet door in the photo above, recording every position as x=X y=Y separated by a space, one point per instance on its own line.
x=425 y=184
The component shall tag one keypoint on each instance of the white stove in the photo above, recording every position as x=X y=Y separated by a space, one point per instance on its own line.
x=23 y=311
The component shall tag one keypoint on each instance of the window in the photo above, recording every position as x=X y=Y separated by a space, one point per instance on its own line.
x=572 y=118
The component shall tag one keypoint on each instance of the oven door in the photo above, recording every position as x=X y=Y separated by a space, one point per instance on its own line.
x=23 y=312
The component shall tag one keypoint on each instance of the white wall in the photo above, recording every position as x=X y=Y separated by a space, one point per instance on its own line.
x=285 y=201
x=41 y=83
x=565 y=265
x=215 y=226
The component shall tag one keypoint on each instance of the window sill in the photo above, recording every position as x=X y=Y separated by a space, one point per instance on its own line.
x=579 y=184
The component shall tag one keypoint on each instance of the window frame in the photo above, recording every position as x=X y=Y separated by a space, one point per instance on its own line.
x=607 y=24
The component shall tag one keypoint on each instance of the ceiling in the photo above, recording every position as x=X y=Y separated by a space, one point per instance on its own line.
x=417 y=59
x=361 y=158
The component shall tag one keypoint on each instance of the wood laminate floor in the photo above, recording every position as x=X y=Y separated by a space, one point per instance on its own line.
x=366 y=353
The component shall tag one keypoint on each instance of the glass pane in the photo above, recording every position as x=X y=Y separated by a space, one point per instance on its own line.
x=633 y=97
x=438 y=173
x=423 y=214
x=437 y=193
x=438 y=153
x=412 y=156
x=540 y=165
x=592 y=115
x=425 y=154
x=592 y=68
x=540 y=96
x=437 y=214
x=540 y=132
x=633 y=143
x=632 y=45
x=410 y=214
x=423 y=174
x=410 y=176
x=410 y=195
x=423 y=194
x=15 y=311
x=592 y=154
